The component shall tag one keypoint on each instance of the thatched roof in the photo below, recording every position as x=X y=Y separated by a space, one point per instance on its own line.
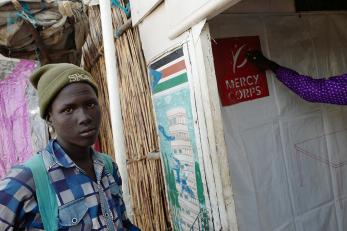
x=48 y=30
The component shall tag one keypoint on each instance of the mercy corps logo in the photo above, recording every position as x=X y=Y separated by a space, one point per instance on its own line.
x=237 y=62
x=78 y=77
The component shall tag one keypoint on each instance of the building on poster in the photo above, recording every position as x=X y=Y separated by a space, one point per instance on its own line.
x=183 y=164
x=173 y=109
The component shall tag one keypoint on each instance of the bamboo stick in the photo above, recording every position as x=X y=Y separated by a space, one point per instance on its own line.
x=146 y=183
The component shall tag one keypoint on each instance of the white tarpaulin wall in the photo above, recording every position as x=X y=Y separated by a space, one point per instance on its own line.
x=288 y=157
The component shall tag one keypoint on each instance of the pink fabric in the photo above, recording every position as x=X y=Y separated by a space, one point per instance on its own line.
x=15 y=135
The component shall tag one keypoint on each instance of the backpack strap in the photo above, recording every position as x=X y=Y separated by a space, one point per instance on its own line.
x=45 y=194
x=107 y=162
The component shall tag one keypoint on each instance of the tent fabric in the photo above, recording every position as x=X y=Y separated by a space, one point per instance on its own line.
x=62 y=26
x=22 y=131
x=287 y=156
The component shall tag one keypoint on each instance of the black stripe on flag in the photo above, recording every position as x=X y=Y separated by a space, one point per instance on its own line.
x=167 y=59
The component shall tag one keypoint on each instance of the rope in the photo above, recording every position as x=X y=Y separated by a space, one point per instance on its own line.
x=24 y=12
x=125 y=9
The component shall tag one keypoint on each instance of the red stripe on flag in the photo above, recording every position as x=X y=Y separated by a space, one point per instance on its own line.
x=173 y=68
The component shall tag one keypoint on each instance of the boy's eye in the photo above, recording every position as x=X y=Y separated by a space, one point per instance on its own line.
x=67 y=110
x=91 y=105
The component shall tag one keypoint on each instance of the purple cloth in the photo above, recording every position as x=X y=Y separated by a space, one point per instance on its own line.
x=15 y=137
x=332 y=90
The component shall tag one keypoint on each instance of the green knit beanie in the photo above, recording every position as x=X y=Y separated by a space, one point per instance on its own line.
x=51 y=78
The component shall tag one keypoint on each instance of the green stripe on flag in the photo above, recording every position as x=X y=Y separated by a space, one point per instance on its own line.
x=182 y=78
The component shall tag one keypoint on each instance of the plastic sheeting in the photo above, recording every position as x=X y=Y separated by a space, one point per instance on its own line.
x=288 y=157
x=22 y=131
x=62 y=26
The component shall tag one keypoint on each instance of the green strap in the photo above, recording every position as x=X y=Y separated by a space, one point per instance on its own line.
x=107 y=162
x=45 y=194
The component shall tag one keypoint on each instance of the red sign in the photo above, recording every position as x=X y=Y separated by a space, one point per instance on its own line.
x=238 y=80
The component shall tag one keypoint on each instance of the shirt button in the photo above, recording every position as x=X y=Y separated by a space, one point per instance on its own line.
x=74 y=220
x=106 y=214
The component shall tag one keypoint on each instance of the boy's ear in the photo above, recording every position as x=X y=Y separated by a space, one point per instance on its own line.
x=48 y=118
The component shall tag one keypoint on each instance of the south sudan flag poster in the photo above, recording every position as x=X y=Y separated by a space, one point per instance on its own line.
x=168 y=72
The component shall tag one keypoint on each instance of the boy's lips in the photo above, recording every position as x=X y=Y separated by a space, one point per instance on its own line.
x=88 y=132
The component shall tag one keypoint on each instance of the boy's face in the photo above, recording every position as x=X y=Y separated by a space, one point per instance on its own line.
x=75 y=116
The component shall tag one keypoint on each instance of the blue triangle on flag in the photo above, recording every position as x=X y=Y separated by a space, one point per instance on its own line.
x=156 y=76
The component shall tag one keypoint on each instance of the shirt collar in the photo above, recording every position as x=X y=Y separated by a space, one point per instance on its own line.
x=63 y=159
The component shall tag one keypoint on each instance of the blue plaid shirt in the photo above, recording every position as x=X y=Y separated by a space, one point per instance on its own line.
x=78 y=196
